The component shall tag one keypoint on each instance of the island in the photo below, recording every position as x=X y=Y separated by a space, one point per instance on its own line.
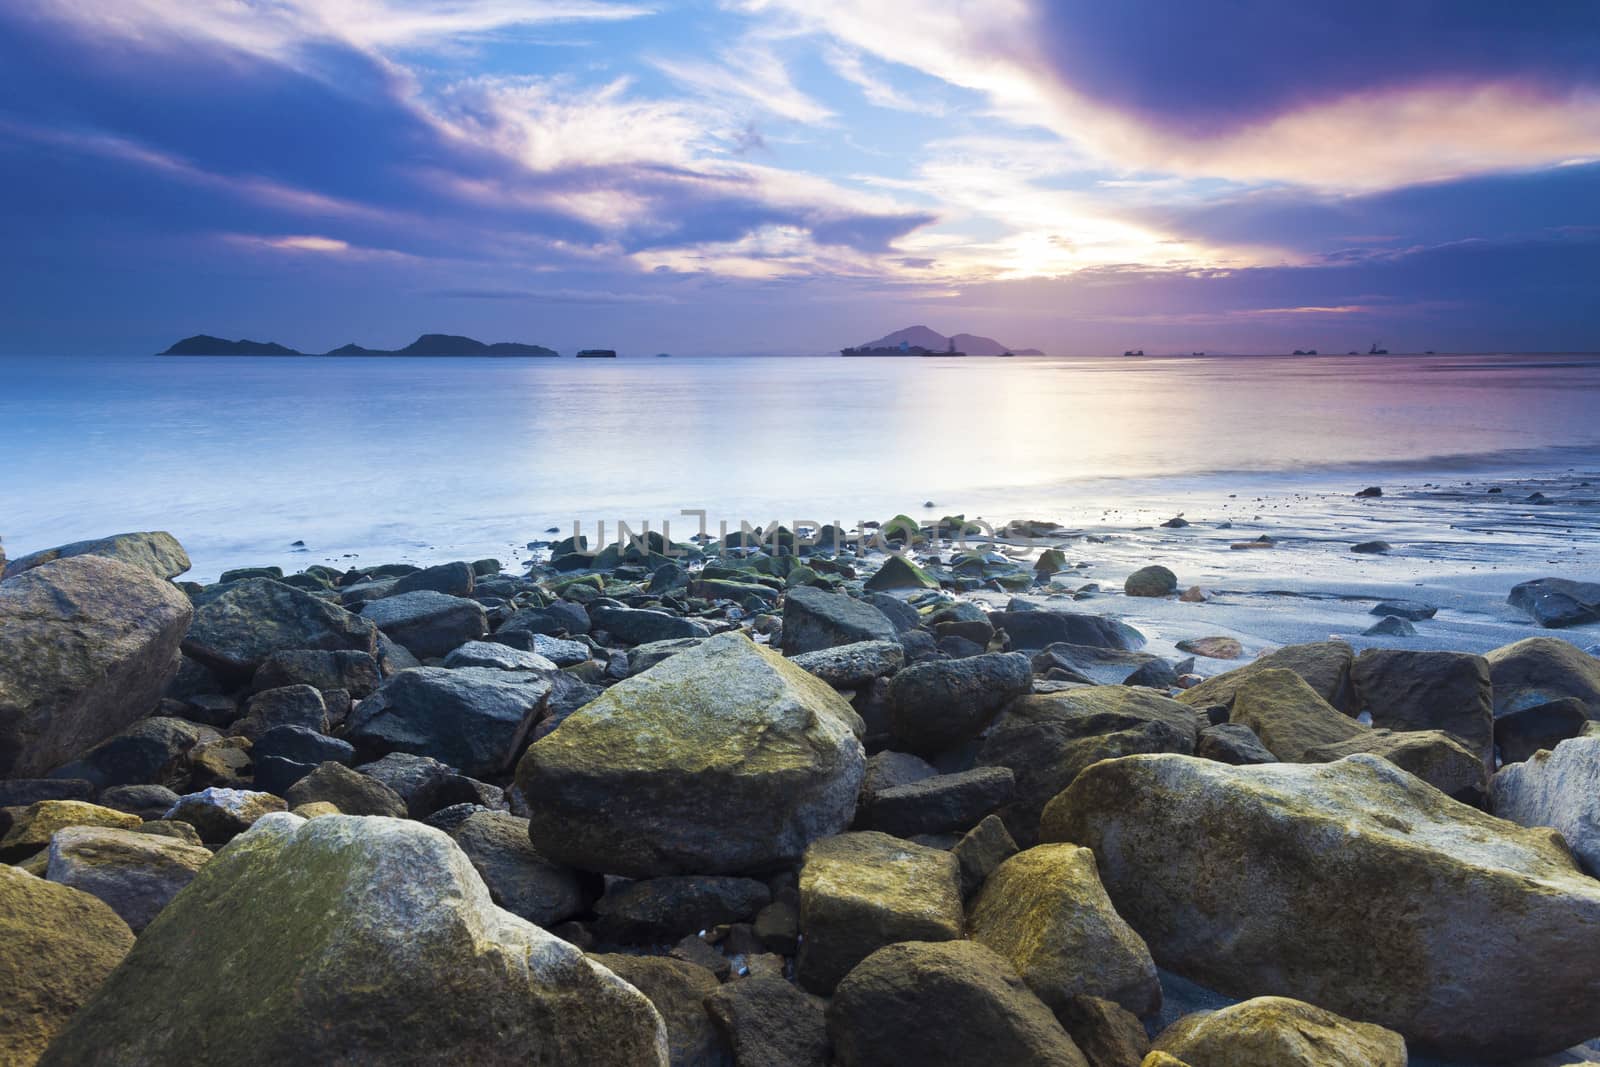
x=429 y=344
x=922 y=341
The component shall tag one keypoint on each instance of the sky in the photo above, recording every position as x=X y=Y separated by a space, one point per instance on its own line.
x=792 y=176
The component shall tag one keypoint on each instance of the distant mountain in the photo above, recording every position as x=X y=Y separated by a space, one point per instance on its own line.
x=933 y=341
x=429 y=344
x=205 y=345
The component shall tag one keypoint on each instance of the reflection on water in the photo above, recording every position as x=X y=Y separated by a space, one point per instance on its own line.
x=239 y=457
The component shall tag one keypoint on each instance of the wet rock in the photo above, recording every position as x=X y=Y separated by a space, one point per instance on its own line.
x=814 y=620
x=473 y=718
x=57 y=944
x=219 y=815
x=148 y=751
x=352 y=792
x=1040 y=629
x=1390 y=626
x=1232 y=742
x=1288 y=715
x=861 y=891
x=641 y=658
x=1086 y=663
x=937 y=705
x=292 y=705
x=1561 y=789
x=1371 y=491
x=639 y=626
x=1156 y=674
x=951 y=1003
x=136 y=874
x=1472 y=937
x=238 y=625
x=1557 y=602
x=1409 y=610
x=853 y=665
x=87 y=645
x=1324 y=666
x=1279 y=1032
x=769 y=1023
x=322 y=959
x=658 y=910
x=1152 y=581
x=520 y=880
x=303 y=745
x=888 y=769
x=678 y=991
x=556 y=619
x=1537 y=670
x=897 y=611
x=721 y=759
x=428 y=624
x=898 y=572
x=495 y=656
x=157 y=553
x=1448 y=691
x=1372 y=548
x=452 y=579
x=1522 y=733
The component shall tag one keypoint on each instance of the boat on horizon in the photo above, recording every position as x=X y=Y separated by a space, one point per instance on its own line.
x=598 y=353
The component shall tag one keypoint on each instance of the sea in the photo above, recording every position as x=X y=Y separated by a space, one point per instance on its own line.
x=299 y=460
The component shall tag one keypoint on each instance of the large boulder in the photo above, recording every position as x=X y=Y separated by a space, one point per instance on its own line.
x=1555 y=602
x=721 y=759
x=766 y=1021
x=352 y=940
x=57 y=944
x=149 y=750
x=639 y=626
x=943 y=1003
x=1046 y=912
x=940 y=704
x=1384 y=900
x=32 y=828
x=87 y=645
x=1279 y=1032
x=678 y=991
x=474 y=718
x=1041 y=629
x=237 y=625
x=1323 y=665
x=1152 y=581
x=1450 y=691
x=519 y=879
x=861 y=891
x=1047 y=739
x=1437 y=757
x=814 y=619
x=856 y=664
x=156 y=552
x=428 y=624
x=1538 y=670
x=1559 y=788
x=137 y=874
x=1288 y=715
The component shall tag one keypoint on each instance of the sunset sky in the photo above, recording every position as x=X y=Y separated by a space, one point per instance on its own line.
x=795 y=175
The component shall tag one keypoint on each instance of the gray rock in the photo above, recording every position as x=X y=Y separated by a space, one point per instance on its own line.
x=238 y=625
x=940 y=704
x=1091 y=665
x=451 y=579
x=150 y=750
x=136 y=874
x=323 y=959
x=87 y=645
x=1537 y=670
x=1556 y=602
x=642 y=657
x=302 y=745
x=945 y=803
x=352 y=792
x=663 y=910
x=719 y=760
x=888 y=769
x=1039 y=629
x=157 y=553
x=768 y=1022
x=519 y=879
x=678 y=991
x=639 y=626
x=980 y=851
x=1409 y=610
x=1448 y=691
x=500 y=657
x=426 y=623
x=1152 y=581
x=474 y=718
x=1390 y=626
x=561 y=617
x=897 y=611
x=814 y=620
x=1522 y=733
x=353 y=671
x=145 y=801
x=853 y=665
x=1559 y=788
x=219 y=815
x=1232 y=742
x=291 y=705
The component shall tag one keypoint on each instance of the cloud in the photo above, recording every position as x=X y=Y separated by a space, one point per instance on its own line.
x=749 y=75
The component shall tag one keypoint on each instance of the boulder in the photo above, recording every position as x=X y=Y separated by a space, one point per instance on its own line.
x=145 y=801
x=136 y=874
x=34 y=826
x=1212 y=647
x=157 y=553
x=898 y=572
x=1091 y=665
x=1106 y=1033
x=150 y=750
x=1152 y=581
x=1323 y=665
x=678 y=991
x=561 y=617
x=1384 y=900
x=57 y=944
x=1447 y=691
x=219 y=815
x=1045 y=911
x=1046 y=740
x=87 y=645
x=814 y=620
x=493 y=655
x=663 y=910
x=355 y=941
x=638 y=626
x=949 y=1003
x=474 y=718
x=1559 y=788
x=452 y=579
x=641 y=658
x=290 y=705
x=238 y=625
x=1537 y=670
x=1438 y=758
x=355 y=672
x=768 y=1022
x=352 y=792
x=942 y=804
x=940 y=704
x=980 y=852
x=1288 y=715
x=428 y=624
x=861 y=891
x=1232 y=742
x=1555 y=602
x=519 y=879
x=1040 y=629
x=853 y=665
x=722 y=759
x=1279 y=1032
x=1522 y=733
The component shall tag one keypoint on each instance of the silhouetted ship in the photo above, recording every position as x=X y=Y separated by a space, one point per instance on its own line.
x=1376 y=351
x=598 y=353
x=1131 y=352
x=901 y=349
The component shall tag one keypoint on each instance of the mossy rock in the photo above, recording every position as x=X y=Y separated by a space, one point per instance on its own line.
x=1289 y=717
x=898 y=572
x=1279 y=1032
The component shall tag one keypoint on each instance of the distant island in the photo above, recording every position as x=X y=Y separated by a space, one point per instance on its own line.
x=922 y=341
x=429 y=344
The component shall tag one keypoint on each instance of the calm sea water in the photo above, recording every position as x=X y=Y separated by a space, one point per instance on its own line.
x=431 y=458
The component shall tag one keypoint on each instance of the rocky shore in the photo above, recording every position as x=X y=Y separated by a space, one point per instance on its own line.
x=725 y=803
